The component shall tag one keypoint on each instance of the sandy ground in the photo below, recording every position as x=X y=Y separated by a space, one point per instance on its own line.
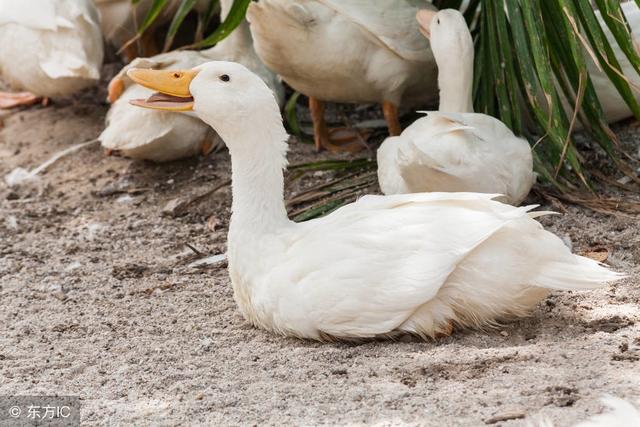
x=97 y=299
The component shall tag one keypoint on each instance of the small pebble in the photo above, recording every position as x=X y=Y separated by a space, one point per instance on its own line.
x=505 y=416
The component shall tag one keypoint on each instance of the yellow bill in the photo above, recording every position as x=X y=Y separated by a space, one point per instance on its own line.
x=172 y=88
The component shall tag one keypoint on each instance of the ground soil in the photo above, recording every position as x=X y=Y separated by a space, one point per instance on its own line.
x=97 y=299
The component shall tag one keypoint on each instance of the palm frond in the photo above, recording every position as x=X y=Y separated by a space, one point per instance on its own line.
x=532 y=56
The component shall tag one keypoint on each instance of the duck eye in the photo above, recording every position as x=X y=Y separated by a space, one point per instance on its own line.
x=225 y=78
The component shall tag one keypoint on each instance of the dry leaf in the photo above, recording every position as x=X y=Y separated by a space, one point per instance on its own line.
x=596 y=254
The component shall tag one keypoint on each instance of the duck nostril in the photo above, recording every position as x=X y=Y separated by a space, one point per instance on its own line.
x=177 y=75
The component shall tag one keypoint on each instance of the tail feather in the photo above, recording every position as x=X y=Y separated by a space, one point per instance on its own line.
x=583 y=273
x=622 y=414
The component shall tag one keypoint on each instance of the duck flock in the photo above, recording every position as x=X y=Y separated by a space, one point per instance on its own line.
x=446 y=247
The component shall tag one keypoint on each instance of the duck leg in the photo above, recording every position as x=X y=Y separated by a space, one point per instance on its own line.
x=390 y=111
x=445 y=331
x=325 y=139
x=12 y=100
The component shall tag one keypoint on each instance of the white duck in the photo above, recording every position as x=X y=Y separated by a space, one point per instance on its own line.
x=163 y=136
x=49 y=48
x=414 y=263
x=355 y=51
x=613 y=105
x=455 y=149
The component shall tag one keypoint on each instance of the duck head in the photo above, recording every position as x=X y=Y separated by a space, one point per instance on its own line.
x=447 y=31
x=226 y=95
x=452 y=48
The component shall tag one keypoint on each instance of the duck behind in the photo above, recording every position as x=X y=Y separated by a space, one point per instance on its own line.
x=50 y=48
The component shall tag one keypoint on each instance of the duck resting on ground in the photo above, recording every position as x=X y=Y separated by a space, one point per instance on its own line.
x=455 y=149
x=49 y=48
x=409 y=263
x=163 y=136
x=355 y=51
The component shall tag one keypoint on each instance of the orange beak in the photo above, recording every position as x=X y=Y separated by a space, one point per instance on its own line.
x=172 y=87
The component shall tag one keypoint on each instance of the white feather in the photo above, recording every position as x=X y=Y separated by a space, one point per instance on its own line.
x=355 y=51
x=621 y=414
x=614 y=107
x=51 y=48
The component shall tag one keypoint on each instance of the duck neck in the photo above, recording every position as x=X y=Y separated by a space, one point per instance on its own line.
x=455 y=80
x=258 y=157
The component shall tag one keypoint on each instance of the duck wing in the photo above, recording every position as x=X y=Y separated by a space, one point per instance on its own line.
x=443 y=142
x=466 y=152
x=366 y=268
x=391 y=23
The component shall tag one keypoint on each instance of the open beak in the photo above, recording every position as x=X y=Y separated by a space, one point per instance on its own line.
x=172 y=88
x=425 y=17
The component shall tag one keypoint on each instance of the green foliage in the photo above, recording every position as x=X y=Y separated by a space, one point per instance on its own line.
x=152 y=15
x=184 y=8
x=231 y=22
x=531 y=54
x=233 y=19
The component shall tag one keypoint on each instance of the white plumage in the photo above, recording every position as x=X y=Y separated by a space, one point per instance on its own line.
x=354 y=51
x=50 y=47
x=455 y=149
x=613 y=105
x=621 y=413
x=385 y=264
x=345 y=51
x=162 y=136
x=154 y=135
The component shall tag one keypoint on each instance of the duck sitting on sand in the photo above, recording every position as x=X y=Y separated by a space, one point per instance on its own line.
x=455 y=149
x=408 y=263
